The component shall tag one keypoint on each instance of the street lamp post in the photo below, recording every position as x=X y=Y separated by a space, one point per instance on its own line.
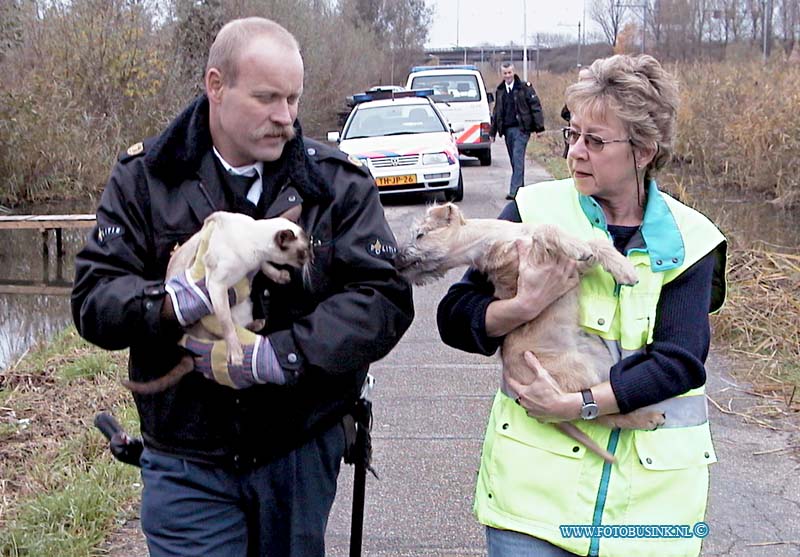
x=644 y=7
x=525 y=40
x=458 y=18
x=578 y=61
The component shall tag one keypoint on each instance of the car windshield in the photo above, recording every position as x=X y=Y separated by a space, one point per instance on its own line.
x=397 y=119
x=449 y=88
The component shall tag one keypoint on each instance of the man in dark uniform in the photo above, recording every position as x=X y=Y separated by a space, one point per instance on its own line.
x=248 y=471
x=517 y=113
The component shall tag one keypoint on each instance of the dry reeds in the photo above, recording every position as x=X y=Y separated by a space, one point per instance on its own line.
x=759 y=324
x=737 y=126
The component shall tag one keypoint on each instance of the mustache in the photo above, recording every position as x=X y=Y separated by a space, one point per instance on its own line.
x=285 y=132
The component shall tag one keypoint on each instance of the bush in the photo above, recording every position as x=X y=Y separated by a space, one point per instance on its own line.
x=737 y=125
x=84 y=79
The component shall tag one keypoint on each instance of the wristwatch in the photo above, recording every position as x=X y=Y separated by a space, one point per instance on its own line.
x=589 y=410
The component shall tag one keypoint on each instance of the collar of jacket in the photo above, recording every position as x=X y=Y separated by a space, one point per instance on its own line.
x=177 y=153
x=660 y=236
x=515 y=83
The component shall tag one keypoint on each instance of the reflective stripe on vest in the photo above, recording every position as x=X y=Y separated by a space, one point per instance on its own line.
x=687 y=410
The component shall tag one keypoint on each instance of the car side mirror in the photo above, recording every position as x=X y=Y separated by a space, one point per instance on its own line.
x=333 y=137
x=490 y=97
x=457 y=127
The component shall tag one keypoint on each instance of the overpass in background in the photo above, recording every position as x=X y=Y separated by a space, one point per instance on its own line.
x=494 y=55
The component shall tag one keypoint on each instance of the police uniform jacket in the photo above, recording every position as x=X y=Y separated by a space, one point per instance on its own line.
x=528 y=109
x=352 y=311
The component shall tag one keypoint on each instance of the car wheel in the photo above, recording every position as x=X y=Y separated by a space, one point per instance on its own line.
x=485 y=157
x=456 y=194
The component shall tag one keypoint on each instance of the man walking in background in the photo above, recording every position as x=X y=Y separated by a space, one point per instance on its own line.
x=517 y=113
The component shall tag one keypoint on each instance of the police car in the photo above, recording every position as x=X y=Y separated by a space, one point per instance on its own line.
x=404 y=141
x=460 y=93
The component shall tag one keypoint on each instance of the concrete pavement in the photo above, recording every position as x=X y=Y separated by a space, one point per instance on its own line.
x=431 y=405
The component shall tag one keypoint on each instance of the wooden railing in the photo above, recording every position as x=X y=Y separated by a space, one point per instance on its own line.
x=44 y=223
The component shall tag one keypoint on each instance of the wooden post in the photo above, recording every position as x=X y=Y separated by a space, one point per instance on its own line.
x=59 y=246
x=45 y=249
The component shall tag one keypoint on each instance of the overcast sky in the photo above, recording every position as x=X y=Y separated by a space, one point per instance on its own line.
x=501 y=21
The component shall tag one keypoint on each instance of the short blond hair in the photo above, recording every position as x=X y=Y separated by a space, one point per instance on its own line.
x=235 y=36
x=639 y=91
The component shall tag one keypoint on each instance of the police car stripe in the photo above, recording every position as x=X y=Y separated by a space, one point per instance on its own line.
x=469 y=135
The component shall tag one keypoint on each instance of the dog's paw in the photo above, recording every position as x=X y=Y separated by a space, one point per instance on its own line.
x=623 y=272
x=658 y=419
x=282 y=277
x=638 y=419
x=256 y=325
x=647 y=420
x=235 y=355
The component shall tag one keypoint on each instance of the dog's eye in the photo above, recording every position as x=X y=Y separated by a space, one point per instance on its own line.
x=420 y=235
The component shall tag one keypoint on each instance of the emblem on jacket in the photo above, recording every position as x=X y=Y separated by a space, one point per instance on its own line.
x=106 y=233
x=381 y=249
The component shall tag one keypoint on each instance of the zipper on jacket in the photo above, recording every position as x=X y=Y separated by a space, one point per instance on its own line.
x=602 y=492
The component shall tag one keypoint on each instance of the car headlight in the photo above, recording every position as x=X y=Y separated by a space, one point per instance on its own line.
x=434 y=158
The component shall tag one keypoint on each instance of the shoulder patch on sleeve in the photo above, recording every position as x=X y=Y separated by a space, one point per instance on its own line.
x=319 y=152
x=355 y=160
x=382 y=249
x=106 y=233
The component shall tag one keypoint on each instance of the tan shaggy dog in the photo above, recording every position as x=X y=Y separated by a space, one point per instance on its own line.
x=444 y=239
x=237 y=247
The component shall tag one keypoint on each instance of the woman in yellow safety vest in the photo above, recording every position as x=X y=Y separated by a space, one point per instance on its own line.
x=538 y=492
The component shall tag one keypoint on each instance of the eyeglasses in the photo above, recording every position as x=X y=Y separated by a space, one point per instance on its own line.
x=593 y=142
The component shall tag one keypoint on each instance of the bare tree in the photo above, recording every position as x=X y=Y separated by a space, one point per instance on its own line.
x=610 y=15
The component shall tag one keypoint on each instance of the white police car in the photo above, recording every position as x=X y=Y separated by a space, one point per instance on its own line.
x=405 y=142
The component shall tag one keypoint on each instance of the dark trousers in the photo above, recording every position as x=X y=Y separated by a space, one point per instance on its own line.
x=279 y=509
x=516 y=143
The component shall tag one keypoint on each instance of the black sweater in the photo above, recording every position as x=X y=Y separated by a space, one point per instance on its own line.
x=670 y=366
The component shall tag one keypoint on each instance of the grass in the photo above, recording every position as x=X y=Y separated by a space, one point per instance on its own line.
x=547 y=150
x=759 y=324
x=61 y=492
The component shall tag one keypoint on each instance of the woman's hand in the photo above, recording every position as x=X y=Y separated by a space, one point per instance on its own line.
x=543 y=398
x=543 y=279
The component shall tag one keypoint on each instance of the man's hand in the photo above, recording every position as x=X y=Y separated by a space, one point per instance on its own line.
x=259 y=366
x=189 y=300
x=543 y=398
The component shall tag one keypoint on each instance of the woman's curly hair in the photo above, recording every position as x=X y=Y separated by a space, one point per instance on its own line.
x=640 y=92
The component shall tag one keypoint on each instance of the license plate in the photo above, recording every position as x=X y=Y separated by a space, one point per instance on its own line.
x=396 y=180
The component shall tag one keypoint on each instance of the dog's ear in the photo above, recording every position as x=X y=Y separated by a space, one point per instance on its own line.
x=446 y=214
x=284 y=237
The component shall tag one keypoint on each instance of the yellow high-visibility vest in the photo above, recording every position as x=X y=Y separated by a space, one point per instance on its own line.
x=534 y=479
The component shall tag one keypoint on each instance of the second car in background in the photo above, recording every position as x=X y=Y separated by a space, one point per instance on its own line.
x=405 y=142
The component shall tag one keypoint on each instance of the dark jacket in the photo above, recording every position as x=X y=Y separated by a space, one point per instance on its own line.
x=529 y=115
x=352 y=312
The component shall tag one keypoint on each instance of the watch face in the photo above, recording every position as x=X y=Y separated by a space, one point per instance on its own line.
x=589 y=411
